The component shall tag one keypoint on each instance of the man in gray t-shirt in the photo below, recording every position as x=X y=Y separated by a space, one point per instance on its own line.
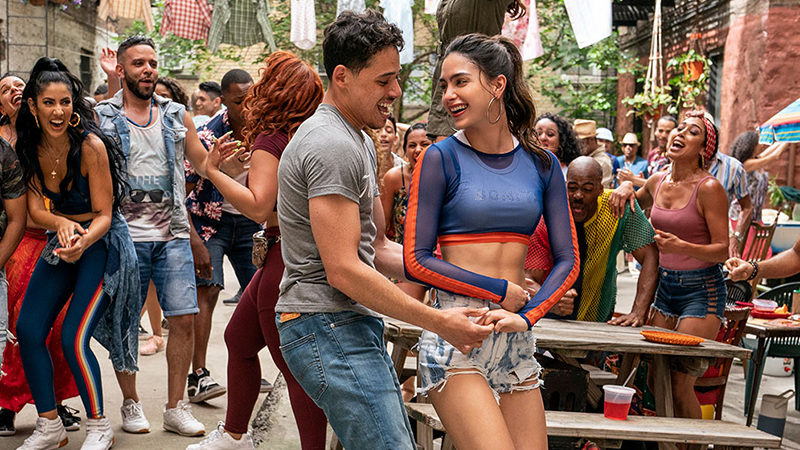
x=332 y=243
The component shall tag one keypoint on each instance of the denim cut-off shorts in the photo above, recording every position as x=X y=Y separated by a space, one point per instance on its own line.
x=691 y=293
x=506 y=360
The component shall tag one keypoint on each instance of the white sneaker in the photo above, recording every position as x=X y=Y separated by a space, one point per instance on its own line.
x=48 y=434
x=98 y=435
x=180 y=420
x=219 y=439
x=133 y=419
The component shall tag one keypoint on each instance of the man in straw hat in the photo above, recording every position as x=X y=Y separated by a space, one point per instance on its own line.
x=632 y=167
x=586 y=130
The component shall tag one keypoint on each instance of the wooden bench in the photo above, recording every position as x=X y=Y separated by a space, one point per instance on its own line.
x=611 y=433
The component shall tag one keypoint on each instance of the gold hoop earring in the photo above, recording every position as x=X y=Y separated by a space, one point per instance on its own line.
x=36 y=118
x=76 y=118
x=499 y=113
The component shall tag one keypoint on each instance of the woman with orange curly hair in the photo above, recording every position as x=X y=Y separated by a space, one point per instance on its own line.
x=288 y=92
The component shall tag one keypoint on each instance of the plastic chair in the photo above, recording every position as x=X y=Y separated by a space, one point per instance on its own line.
x=775 y=347
x=713 y=383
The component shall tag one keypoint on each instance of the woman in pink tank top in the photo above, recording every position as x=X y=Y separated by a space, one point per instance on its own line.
x=689 y=214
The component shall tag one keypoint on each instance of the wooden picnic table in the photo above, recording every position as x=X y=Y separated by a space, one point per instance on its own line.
x=763 y=331
x=569 y=340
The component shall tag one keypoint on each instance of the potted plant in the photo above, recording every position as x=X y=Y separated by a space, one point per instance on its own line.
x=649 y=104
x=692 y=81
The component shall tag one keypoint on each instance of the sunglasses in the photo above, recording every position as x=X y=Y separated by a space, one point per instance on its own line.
x=156 y=195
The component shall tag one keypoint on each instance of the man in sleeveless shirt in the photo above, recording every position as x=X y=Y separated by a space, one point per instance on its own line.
x=154 y=133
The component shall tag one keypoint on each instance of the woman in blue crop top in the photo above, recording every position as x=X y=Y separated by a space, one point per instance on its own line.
x=66 y=158
x=480 y=194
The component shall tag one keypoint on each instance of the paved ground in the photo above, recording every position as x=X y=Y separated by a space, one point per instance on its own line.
x=283 y=433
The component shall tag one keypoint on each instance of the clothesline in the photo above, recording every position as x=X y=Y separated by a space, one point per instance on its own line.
x=246 y=22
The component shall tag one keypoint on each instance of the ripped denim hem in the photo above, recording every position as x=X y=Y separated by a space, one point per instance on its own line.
x=686 y=316
x=518 y=387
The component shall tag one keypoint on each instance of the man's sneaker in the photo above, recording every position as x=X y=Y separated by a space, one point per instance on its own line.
x=49 y=434
x=98 y=434
x=235 y=299
x=202 y=387
x=69 y=418
x=180 y=420
x=133 y=419
x=7 y=422
x=219 y=439
x=266 y=386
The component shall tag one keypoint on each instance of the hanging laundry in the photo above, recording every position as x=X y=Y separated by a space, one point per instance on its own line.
x=516 y=29
x=240 y=22
x=532 y=48
x=430 y=6
x=127 y=9
x=357 y=6
x=304 y=24
x=190 y=19
x=590 y=19
x=399 y=13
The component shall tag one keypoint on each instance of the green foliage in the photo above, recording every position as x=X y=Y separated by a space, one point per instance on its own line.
x=177 y=54
x=567 y=70
x=649 y=105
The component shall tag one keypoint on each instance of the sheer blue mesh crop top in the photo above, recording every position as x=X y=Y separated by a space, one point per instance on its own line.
x=459 y=195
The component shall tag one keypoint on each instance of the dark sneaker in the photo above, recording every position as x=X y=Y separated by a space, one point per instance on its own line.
x=206 y=388
x=266 y=386
x=69 y=417
x=233 y=300
x=7 y=422
x=143 y=334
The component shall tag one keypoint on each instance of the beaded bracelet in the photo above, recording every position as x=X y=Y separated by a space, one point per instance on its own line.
x=755 y=270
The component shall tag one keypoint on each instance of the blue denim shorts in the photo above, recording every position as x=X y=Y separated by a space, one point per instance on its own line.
x=506 y=360
x=234 y=238
x=171 y=267
x=691 y=293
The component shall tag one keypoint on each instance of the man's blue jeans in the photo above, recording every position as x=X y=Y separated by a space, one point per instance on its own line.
x=341 y=362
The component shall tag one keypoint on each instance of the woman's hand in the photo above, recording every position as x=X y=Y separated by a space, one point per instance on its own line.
x=67 y=231
x=504 y=321
x=668 y=242
x=222 y=150
x=74 y=250
x=516 y=298
x=622 y=196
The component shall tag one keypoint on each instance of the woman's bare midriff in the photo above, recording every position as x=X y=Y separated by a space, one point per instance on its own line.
x=493 y=259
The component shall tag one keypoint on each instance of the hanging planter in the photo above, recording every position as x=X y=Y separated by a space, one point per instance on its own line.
x=693 y=83
x=649 y=105
x=37 y=2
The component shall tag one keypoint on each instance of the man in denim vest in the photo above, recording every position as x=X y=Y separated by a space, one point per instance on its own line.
x=154 y=133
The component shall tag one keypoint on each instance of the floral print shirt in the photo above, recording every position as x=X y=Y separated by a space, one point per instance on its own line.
x=204 y=202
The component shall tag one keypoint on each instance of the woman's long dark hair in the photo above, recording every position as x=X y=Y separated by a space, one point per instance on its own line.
x=29 y=136
x=568 y=147
x=497 y=56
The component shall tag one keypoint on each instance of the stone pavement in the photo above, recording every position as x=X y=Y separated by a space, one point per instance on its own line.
x=282 y=434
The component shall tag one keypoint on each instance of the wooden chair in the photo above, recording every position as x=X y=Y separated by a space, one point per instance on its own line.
x=716 y=376
x=759 y=245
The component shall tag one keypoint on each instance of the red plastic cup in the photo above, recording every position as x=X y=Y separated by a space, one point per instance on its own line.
x=617 y=401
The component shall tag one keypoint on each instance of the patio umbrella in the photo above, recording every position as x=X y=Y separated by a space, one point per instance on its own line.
x=782 y=127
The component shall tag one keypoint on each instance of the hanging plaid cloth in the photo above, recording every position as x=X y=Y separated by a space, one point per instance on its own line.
x=240 y=22
x=128 y=9
x=188 y=19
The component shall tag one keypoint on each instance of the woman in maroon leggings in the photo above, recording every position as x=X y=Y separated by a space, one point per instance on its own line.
x=288 y=92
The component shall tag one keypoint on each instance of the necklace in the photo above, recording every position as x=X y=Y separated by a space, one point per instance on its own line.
x=54 y=161
x=152 y=101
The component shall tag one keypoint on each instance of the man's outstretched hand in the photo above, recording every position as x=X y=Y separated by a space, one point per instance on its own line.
x=457 y=328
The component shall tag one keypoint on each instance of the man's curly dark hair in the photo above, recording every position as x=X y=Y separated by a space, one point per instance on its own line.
x=568 y=148
x=355 y=38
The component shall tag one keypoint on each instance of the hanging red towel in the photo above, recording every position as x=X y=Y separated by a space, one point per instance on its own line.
x=190 y=19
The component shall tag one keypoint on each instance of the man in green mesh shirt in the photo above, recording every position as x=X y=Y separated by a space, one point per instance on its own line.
x=594 y=295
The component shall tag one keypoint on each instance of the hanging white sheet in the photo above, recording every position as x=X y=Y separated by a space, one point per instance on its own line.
x=304 y=24
x=590 y=19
